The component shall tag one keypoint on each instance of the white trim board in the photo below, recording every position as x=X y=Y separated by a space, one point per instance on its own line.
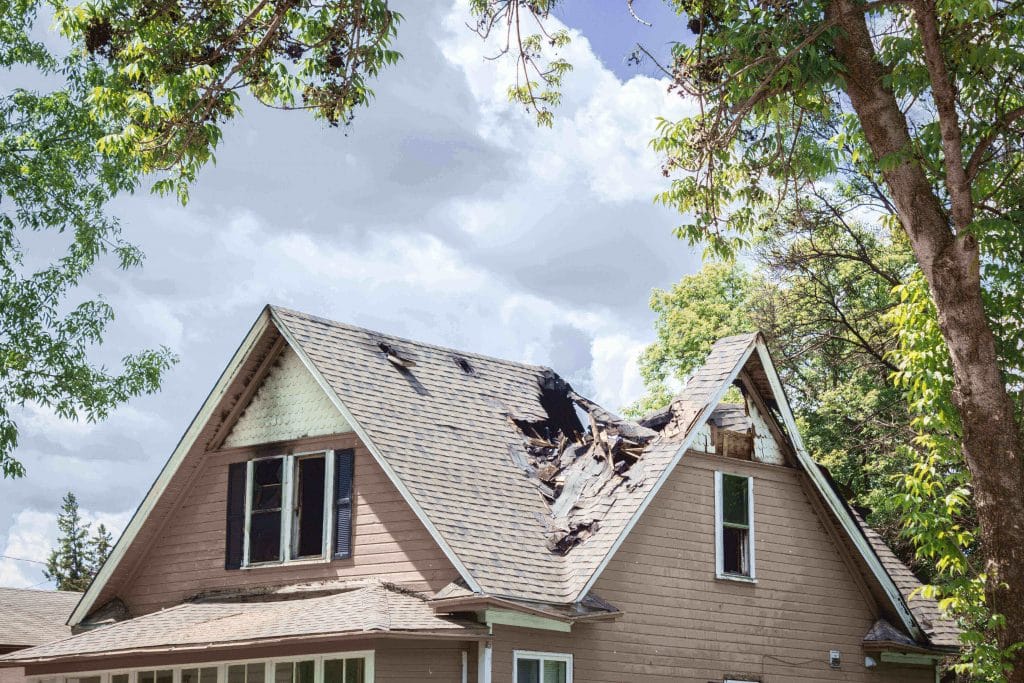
x=376 y=453
x=158 y=487
x=807 y=463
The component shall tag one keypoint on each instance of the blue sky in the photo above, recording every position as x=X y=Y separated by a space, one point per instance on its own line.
x=443 y=214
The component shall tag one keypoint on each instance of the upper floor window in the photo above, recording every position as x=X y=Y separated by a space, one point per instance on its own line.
x=734 y=526
x=542 y=667
x=290 y=507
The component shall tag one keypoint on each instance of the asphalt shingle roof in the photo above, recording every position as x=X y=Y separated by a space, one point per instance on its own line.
x=32 y=617
x=375 y=609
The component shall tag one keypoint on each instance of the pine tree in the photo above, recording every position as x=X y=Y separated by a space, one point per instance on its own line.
x=100 y=546
x=70 y=564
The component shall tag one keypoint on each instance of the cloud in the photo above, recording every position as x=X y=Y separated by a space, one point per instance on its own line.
x=443 y=214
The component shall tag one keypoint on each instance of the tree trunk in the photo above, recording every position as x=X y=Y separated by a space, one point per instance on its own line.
x=992 y=442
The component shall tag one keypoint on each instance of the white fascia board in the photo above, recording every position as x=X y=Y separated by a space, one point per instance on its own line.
x=375 y=452
x=837 y=506
x=683 y=447
x=214 y=398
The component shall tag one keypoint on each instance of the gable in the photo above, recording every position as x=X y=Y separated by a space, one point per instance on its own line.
x=288 y=405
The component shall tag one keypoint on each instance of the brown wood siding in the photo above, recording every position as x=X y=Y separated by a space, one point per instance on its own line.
x=389 y=541
x=12 y=675
x=680 y=623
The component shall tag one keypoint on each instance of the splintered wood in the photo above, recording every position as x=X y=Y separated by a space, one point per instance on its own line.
x=578 y=470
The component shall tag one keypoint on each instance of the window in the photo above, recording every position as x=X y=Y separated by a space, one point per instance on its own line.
x=734 y=527
x=207 y=674
x=345 y=670
x=287 y=514
x=542 y=667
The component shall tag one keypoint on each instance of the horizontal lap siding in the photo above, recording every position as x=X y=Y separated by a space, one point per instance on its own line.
x=12 y=675
x=188 y=557
x=412 y=661
x=680 y=624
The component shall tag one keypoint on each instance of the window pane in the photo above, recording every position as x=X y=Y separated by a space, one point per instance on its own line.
x=121 y=678
x=334 y=671
x=734 y=500
x=190 y=676
x=266 y=484
x=304 y=671
x=254 y=673
x=735 y=551
x=554 y=671
x=236 y=673
x=528 y=671
x=265 y=537
x=283 y=672
x=208 y=674
x=355 y=671
x=309 y=511
x=150 y=677
x=83 y=679
x=164 y=676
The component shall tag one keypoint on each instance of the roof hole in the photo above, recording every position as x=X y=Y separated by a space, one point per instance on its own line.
x=395 y=357
x=464 y=365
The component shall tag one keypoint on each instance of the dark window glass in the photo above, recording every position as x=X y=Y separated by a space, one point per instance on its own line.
x=265 y=519
x=309 y=507
x=254 y=673
x=734 y=551
x=283 y=672
x=304 y=671
x=554 y=671
x=735 y=501
x=355 y=671
x=236 y=673
x=528 y=671
x=334 y=671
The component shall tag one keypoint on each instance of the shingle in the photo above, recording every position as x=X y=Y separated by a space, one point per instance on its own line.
x=375 y=609
x=33 y=617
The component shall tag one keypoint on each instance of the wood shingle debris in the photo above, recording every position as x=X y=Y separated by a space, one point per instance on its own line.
x=576 y=467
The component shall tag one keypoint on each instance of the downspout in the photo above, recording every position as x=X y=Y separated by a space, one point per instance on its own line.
x=465 y=667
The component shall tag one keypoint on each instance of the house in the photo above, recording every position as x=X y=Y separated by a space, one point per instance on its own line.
x=32 y=617
x=351 y=507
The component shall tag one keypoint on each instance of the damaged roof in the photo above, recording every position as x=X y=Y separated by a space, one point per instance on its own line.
x=527 y=486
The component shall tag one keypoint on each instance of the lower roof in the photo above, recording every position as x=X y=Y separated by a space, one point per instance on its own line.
x=377 y=609
x=33 y=617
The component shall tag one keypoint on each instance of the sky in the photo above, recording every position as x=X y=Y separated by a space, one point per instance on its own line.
x=442 y=213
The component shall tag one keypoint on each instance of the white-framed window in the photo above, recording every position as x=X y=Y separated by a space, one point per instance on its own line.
x=541 y=667
x=340 y=667
x=288 y=510
x=734 y=527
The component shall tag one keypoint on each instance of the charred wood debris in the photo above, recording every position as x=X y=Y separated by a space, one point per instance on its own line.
x=578 y=469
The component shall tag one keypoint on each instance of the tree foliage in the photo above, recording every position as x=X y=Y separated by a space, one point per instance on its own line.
x=913 y=110
x=78 y=556
x=139 y=93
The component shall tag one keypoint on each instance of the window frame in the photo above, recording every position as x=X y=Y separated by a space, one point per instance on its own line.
x=269 y=664
x=288 y=496
x=720 y=572
x=542 y=657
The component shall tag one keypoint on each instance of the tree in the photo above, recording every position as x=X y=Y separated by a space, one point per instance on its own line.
x=922 y=99
x=70 y=563
x=78 y=556
x=136 y=96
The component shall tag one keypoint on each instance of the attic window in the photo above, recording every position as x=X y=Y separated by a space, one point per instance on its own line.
x=734 y=527
x=464 y=365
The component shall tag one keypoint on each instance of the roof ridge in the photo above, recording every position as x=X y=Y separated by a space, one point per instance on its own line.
x=407 y=340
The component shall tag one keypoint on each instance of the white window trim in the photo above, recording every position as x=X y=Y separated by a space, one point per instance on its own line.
x=542 y=656
x=222 y=668
x=719 y=527
x=287 y=510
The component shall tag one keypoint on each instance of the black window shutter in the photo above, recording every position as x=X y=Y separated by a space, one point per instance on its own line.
x=236 y=516
x=344 y=462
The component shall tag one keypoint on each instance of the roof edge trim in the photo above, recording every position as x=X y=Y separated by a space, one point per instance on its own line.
x=375 y=452
x=156 y=490
x=832 y=500
x=683 y=446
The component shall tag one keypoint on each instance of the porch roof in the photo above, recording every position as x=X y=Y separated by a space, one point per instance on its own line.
x=375 y=610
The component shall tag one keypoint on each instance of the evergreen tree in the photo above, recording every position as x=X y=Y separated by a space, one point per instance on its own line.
x=100 y=546
x=70 y=564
